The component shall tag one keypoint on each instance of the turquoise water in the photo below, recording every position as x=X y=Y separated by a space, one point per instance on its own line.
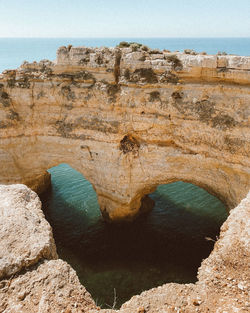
x=13 y=51
x=167 y=245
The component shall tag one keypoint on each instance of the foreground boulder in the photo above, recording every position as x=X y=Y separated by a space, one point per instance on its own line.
x=30 y=280
x=26 y=236
x=48 y=287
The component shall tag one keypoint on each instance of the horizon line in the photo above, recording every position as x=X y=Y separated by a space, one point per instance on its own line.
x=125 y=37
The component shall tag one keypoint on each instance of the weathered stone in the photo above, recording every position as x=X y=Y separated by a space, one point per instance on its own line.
x=29 y=280
x=189 y=114
x=26 y=237
x=51 y=286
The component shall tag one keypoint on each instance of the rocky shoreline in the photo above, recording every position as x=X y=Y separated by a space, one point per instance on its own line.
x=33 y=279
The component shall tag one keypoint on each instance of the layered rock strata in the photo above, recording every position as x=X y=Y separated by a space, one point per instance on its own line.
x=129 y=120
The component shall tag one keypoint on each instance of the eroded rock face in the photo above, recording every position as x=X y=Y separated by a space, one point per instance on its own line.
x=26 y=237
x=51 y=286
x=31 y=280
x=129 y=120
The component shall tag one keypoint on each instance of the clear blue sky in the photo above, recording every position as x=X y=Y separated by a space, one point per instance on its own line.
x=124 y=18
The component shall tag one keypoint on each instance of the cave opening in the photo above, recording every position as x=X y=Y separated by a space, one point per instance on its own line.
x=116 y=261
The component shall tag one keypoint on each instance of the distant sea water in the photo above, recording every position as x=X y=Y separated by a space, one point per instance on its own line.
x=13 y=51
x=166 y=245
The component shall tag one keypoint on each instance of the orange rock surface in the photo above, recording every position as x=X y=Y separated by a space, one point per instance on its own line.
x=129 y=121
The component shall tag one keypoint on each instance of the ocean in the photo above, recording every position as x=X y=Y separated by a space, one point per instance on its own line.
x=166 y=245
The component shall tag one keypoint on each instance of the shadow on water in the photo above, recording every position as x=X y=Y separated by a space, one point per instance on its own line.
x=167 y=245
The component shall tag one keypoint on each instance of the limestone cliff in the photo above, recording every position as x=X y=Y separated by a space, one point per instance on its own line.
x=129 y=119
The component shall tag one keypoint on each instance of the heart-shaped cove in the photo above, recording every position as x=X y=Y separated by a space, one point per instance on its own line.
x=117 y=261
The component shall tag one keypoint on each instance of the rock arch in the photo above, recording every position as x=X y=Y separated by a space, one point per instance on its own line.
x=213 y=176
x=129 y=125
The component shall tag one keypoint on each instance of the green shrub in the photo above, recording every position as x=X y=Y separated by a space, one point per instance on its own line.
x=154 y=96
x=173 y=59
x=123 y=44
x=135 y=46
x=127 y=74
x=142 y=58
x=144 y=73
x=144 y=48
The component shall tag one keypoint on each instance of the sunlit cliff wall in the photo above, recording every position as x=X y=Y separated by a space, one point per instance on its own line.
x=129 y=119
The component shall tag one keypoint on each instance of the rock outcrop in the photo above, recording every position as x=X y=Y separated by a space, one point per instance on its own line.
x=223 y=278
x=32 y=278
x=49 y=287
x=26 y=237
x=46 y=284
x=129 y=119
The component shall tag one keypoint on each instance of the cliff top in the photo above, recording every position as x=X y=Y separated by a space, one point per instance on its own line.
x=136 y=64
x=149 y=57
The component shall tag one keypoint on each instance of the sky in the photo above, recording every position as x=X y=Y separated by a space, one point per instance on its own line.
x=124 y=18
